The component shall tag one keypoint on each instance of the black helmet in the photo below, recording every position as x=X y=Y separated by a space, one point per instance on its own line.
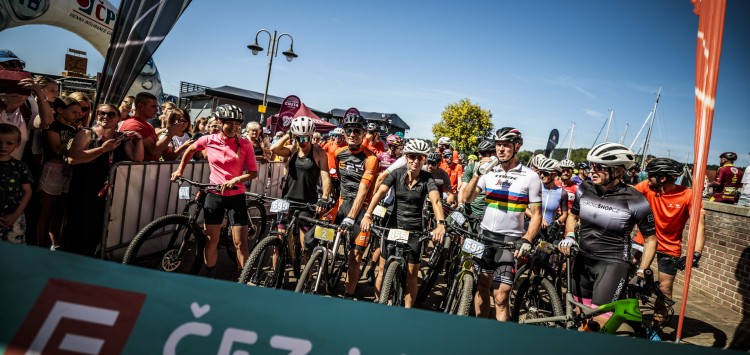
x=732 y=156
x=584 y=166
x=664 y=166
x=354 y=121
x=434 y=157
x=227 y=112
x=486 y=146
x=508 y=134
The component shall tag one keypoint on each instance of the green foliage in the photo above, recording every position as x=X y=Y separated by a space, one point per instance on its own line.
x=524 y=156
x=463 y=122
x=577 y=155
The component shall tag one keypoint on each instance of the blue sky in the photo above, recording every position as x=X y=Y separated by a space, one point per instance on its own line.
x=536 y=65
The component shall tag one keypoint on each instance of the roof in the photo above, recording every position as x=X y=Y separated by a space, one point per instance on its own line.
x=396 y=121
x=233 y=93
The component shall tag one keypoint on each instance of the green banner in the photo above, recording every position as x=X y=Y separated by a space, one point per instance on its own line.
x=54 y=301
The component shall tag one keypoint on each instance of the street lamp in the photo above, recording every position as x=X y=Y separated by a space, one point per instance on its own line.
x=273 y=44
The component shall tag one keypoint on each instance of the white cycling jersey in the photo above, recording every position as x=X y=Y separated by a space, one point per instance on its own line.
x=508 y=193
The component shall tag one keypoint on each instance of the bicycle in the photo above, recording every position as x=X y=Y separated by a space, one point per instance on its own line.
x=266 y=265
x=463 y=276
x=182 y=251
x=326 y=264
x=394 y=280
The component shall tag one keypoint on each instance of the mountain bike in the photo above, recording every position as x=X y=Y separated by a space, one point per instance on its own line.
x=394 y=281
x=175 y=242
x=267 y=263
x=326 y=263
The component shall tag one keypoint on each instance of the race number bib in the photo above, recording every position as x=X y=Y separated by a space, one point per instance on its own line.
x=473 y=247
x=379 y=211
x=458 y=218
x=184 y=193
x=326 y=234
x=280 y=206
x=398 y=235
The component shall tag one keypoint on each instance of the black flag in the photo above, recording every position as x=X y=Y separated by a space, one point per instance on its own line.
x=551 y=142
x=140 y=28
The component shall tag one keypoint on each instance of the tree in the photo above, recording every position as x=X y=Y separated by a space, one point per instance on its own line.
x=524 y=156
x=464 y=123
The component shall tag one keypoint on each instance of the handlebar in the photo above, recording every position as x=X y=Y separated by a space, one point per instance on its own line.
x=318 y=222
x=422 y=234
x=494 y=242
x=200 y=185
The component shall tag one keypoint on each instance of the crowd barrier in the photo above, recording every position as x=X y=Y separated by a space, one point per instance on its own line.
x=143 y=192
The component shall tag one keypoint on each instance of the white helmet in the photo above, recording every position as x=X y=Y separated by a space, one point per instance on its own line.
x=417 y=146
x=339 y=131
x=444 y=141
x=567 y=163
x=536 y=160
x=548 y=164
x=302 y=126
x=611 y=155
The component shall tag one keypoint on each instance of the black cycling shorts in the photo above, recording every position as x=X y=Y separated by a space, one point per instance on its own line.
x=412 y=254
x=215 y=206
x=500 y=262
x=601 y=281
x=667 y=264
x=359 y=242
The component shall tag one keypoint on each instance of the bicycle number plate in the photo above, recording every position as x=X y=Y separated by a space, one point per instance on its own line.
x=379 y=211
x=325 y=233
x=458 y=218
x=280 y=206
x=473 y=247
x=184 y=193
x=398 y=235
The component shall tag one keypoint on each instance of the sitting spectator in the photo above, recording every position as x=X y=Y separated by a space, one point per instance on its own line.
x=728 y=180
x=146 y=106
x=92 y=153
x=15 y=186
x=182 y=139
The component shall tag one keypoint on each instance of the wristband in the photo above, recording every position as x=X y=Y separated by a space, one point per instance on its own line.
x=640 y=271
x=368 y=215
x=442 y=221
x=570 y=235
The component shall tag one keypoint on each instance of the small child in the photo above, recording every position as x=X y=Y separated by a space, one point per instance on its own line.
x=15 y=187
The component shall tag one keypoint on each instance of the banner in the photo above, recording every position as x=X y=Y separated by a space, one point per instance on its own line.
x=554 y=135
x=351 y=111
x=283 y=119
x=63 y=302
x=138 y=31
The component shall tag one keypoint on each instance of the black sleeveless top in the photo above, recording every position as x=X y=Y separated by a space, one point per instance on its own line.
x=302 y=181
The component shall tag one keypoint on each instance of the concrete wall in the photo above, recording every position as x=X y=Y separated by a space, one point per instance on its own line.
x=724 y=272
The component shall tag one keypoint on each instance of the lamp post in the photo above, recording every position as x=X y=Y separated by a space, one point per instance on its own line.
x=273 y=44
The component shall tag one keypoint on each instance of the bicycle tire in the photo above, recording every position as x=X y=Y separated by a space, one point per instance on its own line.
x=314 y=270
x=256 y=213
x=161 y=254
x=434 y=268
x=391 y=285
x=465 y=294
x=531 y=299
x=339 y=265
x=261 y=262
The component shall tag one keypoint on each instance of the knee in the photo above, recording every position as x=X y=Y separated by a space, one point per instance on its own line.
x=501 y=295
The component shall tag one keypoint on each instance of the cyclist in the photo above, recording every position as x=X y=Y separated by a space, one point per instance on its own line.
x=535 y=160
x=308 y=164
x=728 y=180
x=486 y=150
x=443 y=144
x=453 y=168
x=607 y=209
x=567 y=167
x=331 y=147
x=554 y=198
x=442 y=179
x=671 y=205
x=389 y=156
x=412 y=187
x=372 y=139
x=509 y=189
x=357 y=167
x=232 y=162
x=582 y=174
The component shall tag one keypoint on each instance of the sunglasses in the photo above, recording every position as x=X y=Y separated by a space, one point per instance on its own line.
x=432 y=162
x=415 y=157
x=304 y=139
x=108 y=114
x=356 y=131
x=597 y=166
x=85 y=108
x=569 y=170
x=335 y=136
x=545 y=173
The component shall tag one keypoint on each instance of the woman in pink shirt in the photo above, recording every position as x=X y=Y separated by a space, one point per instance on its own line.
x=232 y=162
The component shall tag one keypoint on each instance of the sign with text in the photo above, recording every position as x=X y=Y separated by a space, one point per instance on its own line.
x=289 y=107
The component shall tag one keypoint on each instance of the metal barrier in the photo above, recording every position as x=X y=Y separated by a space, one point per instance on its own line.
x=143 y=192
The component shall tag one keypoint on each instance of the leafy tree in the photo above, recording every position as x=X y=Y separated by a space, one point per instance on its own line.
x=524 y=156
x=464 y=123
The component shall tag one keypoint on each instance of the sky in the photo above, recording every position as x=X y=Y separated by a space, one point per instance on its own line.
x=536 y=65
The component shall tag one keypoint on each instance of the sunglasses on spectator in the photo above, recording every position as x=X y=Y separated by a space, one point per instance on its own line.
x=303 y=139
x=356 y=131
x=415 y=157
x=110 y=114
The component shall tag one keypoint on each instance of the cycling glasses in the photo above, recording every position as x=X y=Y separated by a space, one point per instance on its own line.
x=569 y=170
x=432 y=162
x=545 y=173
x=356 y=131
x=598 y=167
x=108 y=114
x=303 y=139
x=418 y=157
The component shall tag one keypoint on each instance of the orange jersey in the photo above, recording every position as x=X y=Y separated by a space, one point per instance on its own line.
x=355 y=167
x=671 y=213
x=330 y=148
x=455 y=173
x=376 y=148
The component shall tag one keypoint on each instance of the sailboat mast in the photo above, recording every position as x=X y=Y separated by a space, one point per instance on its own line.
x=622 y=139
x=609 y=123
x=570 y=142
x=650 y=129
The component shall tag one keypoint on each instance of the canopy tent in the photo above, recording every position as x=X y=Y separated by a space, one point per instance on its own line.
x=320 y=125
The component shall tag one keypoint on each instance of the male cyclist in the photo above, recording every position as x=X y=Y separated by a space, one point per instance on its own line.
x=608 y=209
x=337 y=141
x=671 y=205
x=583 y=174
x=232 y=162
x=728 y=180
x=486 y=150
x=566 y=174
x=357 y=167
x=442 y=179
x=453 y=168
x=443 y=144
x=372 y=139
x=509 y=189
x=389 y=156
x=308 y=165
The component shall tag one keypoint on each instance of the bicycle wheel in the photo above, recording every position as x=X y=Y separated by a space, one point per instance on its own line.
x=169 y=244
x=392 y=291
x=434 y=267
x=256 y=212
x=537 y=298
x=259 y=269
x=339 y=264
x=314 y=269
x=461 y=300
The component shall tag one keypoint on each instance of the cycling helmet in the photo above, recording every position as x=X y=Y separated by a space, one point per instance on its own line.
x=583 y=166
x=302 y=126
x=444 y=141
x=550 y=165
x=434 y=157
x=400 y=134
x=472 y=157
x=664 y=166
x=567 y=163
x=486 y=146
x=6 y=55
x=611 y=155
x=448 y=154
x=338 y=131
x=372 y=127
x=393 y=139
x=227 y=112
x=355 y=121
x=732 y=156
x=508 y=134
x=417 y=146
x=536 y=160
